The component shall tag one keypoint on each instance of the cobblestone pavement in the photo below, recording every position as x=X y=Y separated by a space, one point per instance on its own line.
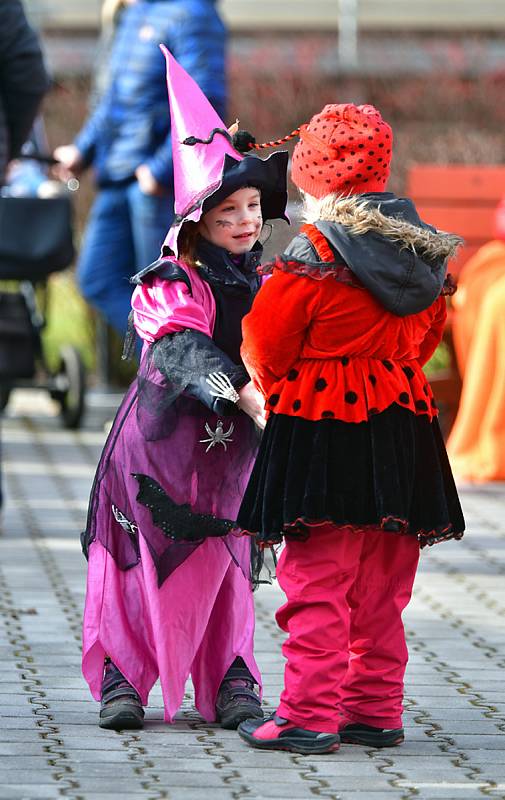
x=51 y=746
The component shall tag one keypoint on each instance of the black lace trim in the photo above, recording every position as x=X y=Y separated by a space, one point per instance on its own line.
x=340 y=272
x=312 y=269
x=301 y=528
x=177 y=521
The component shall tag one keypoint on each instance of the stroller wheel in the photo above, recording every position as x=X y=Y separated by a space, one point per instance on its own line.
x=71 y=381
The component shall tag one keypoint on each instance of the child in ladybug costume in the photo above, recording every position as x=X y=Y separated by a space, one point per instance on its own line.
x=352 y=471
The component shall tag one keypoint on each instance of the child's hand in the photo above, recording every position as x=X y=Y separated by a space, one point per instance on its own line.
x=253 y=404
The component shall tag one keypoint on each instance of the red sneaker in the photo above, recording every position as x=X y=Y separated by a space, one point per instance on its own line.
x=280 y=734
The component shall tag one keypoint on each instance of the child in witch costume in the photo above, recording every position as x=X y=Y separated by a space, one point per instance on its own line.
x=352 y=471
x=169 y=591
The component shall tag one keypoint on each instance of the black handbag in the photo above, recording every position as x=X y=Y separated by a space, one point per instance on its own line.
x=18 y=338
x=35 y=236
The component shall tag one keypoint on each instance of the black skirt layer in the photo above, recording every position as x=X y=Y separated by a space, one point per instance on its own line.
x=391 y=472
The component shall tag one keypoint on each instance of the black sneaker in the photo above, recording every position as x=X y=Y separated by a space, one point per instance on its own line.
x=236 y=699
x=279 y=734
x=357 y=733
x=121 y=708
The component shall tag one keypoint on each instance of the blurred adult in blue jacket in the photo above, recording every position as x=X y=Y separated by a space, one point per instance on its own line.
x=127 y=140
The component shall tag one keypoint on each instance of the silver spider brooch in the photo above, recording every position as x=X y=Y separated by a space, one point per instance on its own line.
x=219 y=436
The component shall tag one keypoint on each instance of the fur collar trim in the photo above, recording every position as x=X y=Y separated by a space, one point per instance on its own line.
x=360 y=216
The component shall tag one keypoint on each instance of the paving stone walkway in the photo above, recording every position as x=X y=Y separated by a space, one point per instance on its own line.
x=51 y=747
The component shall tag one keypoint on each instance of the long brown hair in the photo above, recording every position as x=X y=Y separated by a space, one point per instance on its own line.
x=188 y=236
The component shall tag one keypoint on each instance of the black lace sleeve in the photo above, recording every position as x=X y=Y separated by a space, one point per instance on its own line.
x=187 y=359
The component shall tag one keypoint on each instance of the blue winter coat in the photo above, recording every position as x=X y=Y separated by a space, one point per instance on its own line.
x=131 y=123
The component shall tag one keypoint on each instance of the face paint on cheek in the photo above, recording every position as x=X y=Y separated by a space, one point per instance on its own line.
x=223 y=223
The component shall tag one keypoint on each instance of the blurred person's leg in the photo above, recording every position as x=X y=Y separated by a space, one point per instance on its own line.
x=107 y=260
x=151 y=217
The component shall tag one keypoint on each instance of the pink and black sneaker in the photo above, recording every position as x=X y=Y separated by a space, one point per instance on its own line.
x=369 y=736
x=280 y=734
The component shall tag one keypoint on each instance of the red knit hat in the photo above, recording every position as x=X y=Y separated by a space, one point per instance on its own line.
x=345 y=149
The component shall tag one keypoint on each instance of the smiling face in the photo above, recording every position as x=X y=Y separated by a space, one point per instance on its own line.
x=234 y=224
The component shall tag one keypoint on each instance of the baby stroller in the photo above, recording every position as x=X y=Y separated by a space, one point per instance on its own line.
x=35 y=241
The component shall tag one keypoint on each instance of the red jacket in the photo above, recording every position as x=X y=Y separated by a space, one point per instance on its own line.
x=319 y=348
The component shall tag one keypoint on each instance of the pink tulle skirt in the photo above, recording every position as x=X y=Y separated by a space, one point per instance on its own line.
x=196 y=623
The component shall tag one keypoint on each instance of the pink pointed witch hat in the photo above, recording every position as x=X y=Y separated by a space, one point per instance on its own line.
x=207 y=168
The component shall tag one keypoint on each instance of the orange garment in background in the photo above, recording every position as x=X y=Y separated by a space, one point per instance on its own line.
x=476 y=445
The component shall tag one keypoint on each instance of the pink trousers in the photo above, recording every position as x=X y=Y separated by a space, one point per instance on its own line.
x=346 y=652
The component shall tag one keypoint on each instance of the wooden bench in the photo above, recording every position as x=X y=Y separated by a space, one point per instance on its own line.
x=461 y=199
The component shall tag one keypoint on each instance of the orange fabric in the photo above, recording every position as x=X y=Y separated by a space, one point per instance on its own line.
x=476 y=446
x=478 y=274
x=320 y=242
x=322 y=349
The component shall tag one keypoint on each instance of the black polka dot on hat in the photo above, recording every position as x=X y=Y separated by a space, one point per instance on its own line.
x=372 y=379
x=425 y=389
x=409 y=372
x=388 y=365
x=351 y=397
x=344 y=360
x=372 y=411
x=327 y=414
x=404 y=398
x=273 y=399
x=320 y=384
x=421 y=405
x=292 y=375
x=297 y=405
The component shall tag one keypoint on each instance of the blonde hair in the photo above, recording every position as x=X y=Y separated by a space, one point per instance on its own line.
x=313 y=206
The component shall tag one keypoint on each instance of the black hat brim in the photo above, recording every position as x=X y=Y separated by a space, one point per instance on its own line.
x=269 y=175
